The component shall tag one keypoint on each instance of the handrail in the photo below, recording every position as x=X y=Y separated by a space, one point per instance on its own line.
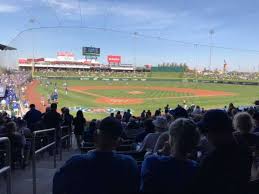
x=34 y=152
x=8 y=167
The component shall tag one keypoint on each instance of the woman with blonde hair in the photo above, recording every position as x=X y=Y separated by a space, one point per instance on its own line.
x=243 y=124
x=173 y=173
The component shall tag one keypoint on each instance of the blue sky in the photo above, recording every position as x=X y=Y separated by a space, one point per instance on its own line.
x=235 y=23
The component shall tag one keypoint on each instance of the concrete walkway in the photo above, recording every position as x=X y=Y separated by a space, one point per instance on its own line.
x=22 y=179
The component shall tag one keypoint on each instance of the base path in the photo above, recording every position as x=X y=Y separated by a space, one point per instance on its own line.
x=33 y=96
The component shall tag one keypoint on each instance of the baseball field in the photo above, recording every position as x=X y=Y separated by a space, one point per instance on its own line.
x=99 y=98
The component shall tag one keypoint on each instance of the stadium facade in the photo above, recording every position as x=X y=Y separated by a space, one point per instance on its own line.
x=67 y=60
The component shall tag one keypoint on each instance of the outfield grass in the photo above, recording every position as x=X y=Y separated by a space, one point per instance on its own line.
x=245 y=95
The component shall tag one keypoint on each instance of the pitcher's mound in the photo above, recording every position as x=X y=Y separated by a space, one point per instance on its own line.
x=120 y=101
x=136 y=92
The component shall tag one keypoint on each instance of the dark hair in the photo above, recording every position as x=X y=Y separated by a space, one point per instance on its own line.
x=63 y=109
x=32 y=106
x=110 y=127
x=80 y=114
x=53 y=106
x=148 y=125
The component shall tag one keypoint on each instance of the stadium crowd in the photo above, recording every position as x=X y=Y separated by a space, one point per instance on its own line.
x=14 y=85
x=169 y=151
x=90 y=73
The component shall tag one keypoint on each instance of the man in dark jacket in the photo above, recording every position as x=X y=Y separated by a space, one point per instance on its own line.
x=53 y=119
x=32 y=117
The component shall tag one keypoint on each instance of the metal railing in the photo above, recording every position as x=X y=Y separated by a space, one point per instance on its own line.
x=35 y=152
x=7 y=168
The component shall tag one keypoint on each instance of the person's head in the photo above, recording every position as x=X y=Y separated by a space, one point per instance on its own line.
x=184 y=137
x=128 y=110
x=79 y=114
x=231 y=105
x=112 y=114
x=32 y=106
x=63 y=110
x=66 y=111
x=218 y=126
x=149 y=126
x=11 y=127
x=92 y=124
x=243 y=122
x=108 y=134
x=21 y=123
x=180 y=112
x=160 y=124
x=119 y=112
x=53 y=106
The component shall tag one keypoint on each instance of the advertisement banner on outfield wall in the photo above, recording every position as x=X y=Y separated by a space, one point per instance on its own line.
x=114 y=59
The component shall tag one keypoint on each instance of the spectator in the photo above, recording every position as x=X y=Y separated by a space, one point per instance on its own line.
x=132 y=129
x=79 y=123
x=91 y=131
x=243 y=123
x=118 y=115
x=256 y=122
x=231 y=107
x=167 y=108
x=150 y=140
x=227 y=168
x=67 y=123
x=148 y=127
x=148 y=114
x=17 y=142
x=22 y=128
x=100 y=170
x=32 y=117
x=67 y=117
x=143 y=114
x=179 y=112
x=52 y=119
x=174 y=173
x=126 y=116
x=158 y=112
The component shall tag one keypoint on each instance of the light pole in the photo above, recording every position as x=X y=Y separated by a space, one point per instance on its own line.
x=135 y=48
x=211 y=34
x=32 y=21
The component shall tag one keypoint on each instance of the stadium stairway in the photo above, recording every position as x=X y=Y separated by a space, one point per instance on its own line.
x=22 y=178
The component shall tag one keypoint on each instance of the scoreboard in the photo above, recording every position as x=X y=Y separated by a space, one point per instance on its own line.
x=91 y=51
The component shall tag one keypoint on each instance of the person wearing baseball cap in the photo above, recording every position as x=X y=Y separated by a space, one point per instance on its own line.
x=150 y=140
x=227 y=168
x=100 y=170
x=179 y=112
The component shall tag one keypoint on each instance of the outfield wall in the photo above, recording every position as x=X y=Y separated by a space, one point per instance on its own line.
x=253 y=83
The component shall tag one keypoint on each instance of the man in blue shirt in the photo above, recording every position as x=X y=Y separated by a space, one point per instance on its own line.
x=101 y=170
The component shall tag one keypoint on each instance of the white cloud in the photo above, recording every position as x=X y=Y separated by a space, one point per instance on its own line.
x=95 y=8
x=6 y=8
